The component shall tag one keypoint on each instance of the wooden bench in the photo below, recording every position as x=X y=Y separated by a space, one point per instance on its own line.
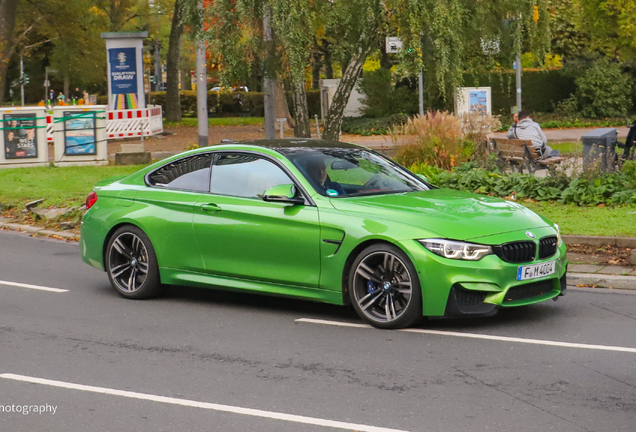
x=509 y=152
x=535 y=161
x=518 y=153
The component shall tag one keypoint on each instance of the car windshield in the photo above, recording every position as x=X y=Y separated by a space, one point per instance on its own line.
x=346 y=172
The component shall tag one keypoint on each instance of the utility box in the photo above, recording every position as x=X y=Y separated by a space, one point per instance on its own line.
x=328 y=89
x=23 y=141
x=80 y=135
x=599 y=148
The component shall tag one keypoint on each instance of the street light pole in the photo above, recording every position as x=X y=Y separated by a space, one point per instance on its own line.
x=269 y=89
x=202 y=88
x=22 y=75
x=22 y=51
x=518 y=70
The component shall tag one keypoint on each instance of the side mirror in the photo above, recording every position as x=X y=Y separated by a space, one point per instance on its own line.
x=423 y=177
x=283 y=193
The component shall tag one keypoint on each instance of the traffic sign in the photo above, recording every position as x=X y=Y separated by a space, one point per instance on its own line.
x=393 y=45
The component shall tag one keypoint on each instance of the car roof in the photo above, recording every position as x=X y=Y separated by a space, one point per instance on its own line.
x=296 y=143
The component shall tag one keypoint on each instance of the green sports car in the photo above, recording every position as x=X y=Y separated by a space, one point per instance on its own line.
x=320 y=220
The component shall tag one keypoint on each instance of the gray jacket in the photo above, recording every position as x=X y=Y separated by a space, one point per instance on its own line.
x=528 y=129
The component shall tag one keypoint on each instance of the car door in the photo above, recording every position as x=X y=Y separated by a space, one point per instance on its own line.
x=242 y=236
x=165 y=210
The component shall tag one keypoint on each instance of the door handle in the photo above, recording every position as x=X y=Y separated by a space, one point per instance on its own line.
x=210 y=207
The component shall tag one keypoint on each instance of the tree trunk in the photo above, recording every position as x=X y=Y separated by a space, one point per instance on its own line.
x=173 y=98
x=327 y=59
x=67 y=87
x=341 y=98
x=302 y=127
x=316 y=65
x=186 y=78
x=8 y=11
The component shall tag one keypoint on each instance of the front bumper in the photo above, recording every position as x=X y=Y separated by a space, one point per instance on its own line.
x=456 y=287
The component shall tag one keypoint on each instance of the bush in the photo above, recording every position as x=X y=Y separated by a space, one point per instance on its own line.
x=382 y=98
x=436 y=138
x=603 y=90
x=616 y=188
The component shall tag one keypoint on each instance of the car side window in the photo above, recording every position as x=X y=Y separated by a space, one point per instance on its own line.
x=245 y=175
x=190 y=173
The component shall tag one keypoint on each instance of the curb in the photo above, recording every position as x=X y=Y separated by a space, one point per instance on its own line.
x=628 y=242
x=40 y=231
x=602 y=280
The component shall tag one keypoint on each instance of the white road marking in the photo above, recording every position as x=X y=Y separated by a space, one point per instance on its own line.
x=35 y=287
x=480 y=336
x=204 y=405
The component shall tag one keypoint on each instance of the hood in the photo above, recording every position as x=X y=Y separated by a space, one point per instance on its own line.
x=452 y=214
x=525 y=123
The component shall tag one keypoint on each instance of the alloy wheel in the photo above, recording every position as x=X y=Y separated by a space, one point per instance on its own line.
x=382 y=287
x=128 y=262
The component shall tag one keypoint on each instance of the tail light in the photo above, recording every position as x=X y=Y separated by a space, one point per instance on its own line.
x=90 y=200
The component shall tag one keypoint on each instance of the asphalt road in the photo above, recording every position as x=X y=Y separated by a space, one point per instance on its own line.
x=203 y=360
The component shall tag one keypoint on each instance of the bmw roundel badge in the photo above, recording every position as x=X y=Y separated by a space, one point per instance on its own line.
x=529 y=234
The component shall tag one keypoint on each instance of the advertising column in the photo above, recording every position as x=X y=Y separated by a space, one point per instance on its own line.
x=80 y=135
x=125 y=70
x=23 y=137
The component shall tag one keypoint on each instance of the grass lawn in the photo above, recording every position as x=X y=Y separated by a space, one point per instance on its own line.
x=218 y=121
x=600 y=221
x=61 y=186
x=568 y=148
x=68 y=186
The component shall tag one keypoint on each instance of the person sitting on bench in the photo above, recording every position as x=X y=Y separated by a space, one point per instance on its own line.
x=527 y=129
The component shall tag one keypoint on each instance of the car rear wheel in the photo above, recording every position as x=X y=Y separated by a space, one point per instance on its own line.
x=384 y=287
x=131 y=264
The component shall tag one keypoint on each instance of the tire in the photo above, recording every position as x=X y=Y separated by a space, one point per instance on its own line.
x=131 y=264
x=384 y=287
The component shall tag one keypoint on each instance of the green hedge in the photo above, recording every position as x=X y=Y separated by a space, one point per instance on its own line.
x=236 y=104
x=542 y=90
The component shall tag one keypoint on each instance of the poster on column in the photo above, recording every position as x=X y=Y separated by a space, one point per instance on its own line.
x=79 y=133
x=123 y=78
x=478 y=102
x=20 y=139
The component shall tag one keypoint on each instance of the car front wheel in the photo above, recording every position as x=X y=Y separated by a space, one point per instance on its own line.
x=384 y=287
x=131 y=264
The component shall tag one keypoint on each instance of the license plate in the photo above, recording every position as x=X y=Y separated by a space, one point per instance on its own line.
x=536 y=270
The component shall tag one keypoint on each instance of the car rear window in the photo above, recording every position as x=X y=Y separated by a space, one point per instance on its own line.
x=190 y=173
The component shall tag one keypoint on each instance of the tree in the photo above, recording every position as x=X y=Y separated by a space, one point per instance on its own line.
x=444 y=36
x=173 y=101
x=8 y=12
x=611 y=25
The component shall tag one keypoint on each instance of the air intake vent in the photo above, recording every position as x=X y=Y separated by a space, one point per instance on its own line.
x=516 y=252
x=524 y=292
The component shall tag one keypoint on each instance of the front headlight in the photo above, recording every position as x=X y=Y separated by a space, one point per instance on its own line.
x=456 y=249
x=559 y=239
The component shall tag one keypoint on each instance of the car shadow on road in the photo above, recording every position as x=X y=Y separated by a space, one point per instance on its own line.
x=546 y=313
x=255 y=301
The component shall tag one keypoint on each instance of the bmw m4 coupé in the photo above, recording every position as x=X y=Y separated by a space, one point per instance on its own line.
x=320 y=220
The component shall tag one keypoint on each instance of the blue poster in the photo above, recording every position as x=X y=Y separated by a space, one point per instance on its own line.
x=79 y=133
x=478 y=102
x=123 y=78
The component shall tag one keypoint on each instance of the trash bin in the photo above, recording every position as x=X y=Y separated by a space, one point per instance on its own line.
x=599 y=148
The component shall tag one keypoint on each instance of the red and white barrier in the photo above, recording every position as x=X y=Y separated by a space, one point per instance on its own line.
x=122 y=124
